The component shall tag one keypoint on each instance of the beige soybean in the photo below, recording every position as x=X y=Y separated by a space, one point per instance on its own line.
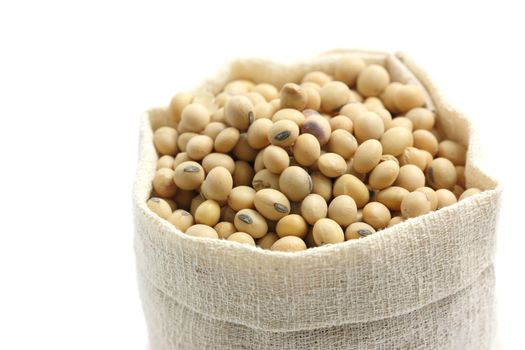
x=289 y=244
x=218 y=184
x=183 y=139
x=283 y=133
x=268 y=91
x=289 y=114
x=331 y=165
x=347 y=69
x=214 y=160
x=395 y=220
x=318 y=126
x=367 y=126
x=165 y=140
x=317 y=77
x=445 y=198
x=353 y=109
x=272 y=204
x=293 y=96
x=373 y=103
x=163 y=183
x=160 y=207
x=441 y=173
x=195 y=202
x=313 y=99
x=415 y=156
x=376 y=215
x=396 y=140
x=431 y=196
x=237 y=87
x=350 y=185
x=265 y=179
x=213 y=129
x=194 y=117
x=258 y=133
x=421 y=118
x=226 y=140
x=177 y=104
x=327 y=231
x=342 y=142
x=243 y=173
x=358 y=230
x=275 y=159
x=202 y=231
x=407 y=97
x=292 y=225
x=199 y=146
x=181 y=219
x=343 y=210
x=410 y=177
x=334 y=95
x=241 y=237
x=241 y=197
x=415 y=204
x=367 y=156
x=165 y=161
x=372 y=80
x=238 y=112
x=383 y=175
x=258 y=163
x=425 y=140
x=306 y=149
x=295 y=183
x=321 y=185
x=470 y=192
x=388 y=96
x=313 y=208
x=341 y=122
x=251 y=222
x=188 y=175
x=403 y=122
x=218 y=115
x=225 y=229
x=266 y=241
x=243 y=151
x=255 y=97
x=350 y=170
x=208 y=213
x=453 y=151
x=263 y=110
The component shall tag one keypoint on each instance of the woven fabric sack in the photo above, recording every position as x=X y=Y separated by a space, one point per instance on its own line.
x=427 y=283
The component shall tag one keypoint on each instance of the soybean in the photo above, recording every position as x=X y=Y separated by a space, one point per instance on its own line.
x=241 y=237
x=289 y=244
x=295 y=183
x=327 y=231
x=358 y=230
x=343 y=210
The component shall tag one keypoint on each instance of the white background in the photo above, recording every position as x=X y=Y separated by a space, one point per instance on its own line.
x=75 y=75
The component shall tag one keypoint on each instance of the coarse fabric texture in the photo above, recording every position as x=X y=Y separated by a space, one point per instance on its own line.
x=426 y=283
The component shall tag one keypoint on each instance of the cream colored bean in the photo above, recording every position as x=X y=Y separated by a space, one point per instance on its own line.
x=388 y=96
x=238 y=112
x=469 y=192
x=327 y=231
x=289 y=244
x=266 y=241
x=272 y=204
x=353 y=109
x=425 y=140
x=295 y=183
x=163 y=183
x=218 y=115
x=181 y=219
x=342 y=142
x=258 y=163
x=218 y=184
x=415 y=204
x=213 y=129
x=421 y=118
x=242 y=237
x=376 y=215
x=385 y=116
x=177 y=104
x=407 y=97
x=410 y=177
x=403 y=122
x=293 y=96
x=395 y=220
x=383 y=175
x=350 y=185
x=255 y=97
x=226 y=140
x=208 y=213
x=289 y=114
x=243 y=173
x=292 y=225
x=195 y=117
x=243 y=151
x=313 y=208
x=160 y=207
x=319 y=127
x=313 y=99
x=358 y=230
x=348 y=69
x=306 y=149
x=251 y=222
x=214 y=160
x=321 y=185
x=331 y=165
x=202 y=231
x=343 y=210
x=317 y=77
x=334 y=95
x=373 y=103
x=165 y=140
x=263 y=110
x=445 y=198
x=372 y=80
x=237 y=87
x=165 y=161
x=265 y=179
x=396 y=140
x=283 y=133
x=367 y=156
x=199 y=146
x=341 y=122
x=415 y=156
x=268 y=91
x=453 y=151
x=441 y=173
x=258 y=133
x=225 y=229
x=241 y=197
x=275 y=159
x=368 y=126
x=431 y=196
x=188 y=175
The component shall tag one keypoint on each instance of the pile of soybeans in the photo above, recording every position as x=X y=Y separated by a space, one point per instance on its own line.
x=331 y=158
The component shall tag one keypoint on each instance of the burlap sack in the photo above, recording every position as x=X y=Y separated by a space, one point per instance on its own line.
x=427 y=283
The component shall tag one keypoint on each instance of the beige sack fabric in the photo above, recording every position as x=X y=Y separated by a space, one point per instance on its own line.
x=426 y=283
